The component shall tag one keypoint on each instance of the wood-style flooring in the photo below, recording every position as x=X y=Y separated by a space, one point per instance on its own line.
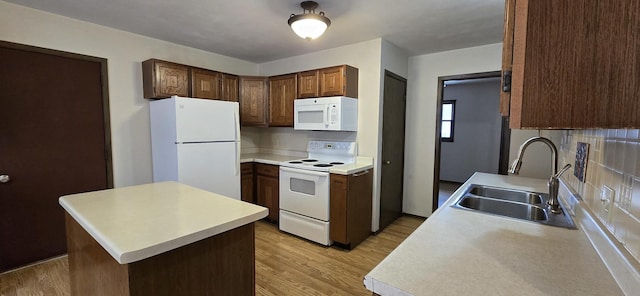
x=285 y=265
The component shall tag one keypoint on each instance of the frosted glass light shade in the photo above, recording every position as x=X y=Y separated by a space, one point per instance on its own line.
x=309 y=28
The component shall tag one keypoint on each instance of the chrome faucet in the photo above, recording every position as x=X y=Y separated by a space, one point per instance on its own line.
x=553 y=184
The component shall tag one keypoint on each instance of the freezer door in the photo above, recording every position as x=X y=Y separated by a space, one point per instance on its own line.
x=199 y=120
x=210 y=166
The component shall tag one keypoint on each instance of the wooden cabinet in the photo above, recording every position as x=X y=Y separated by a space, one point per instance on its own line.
x=282 y=92
x=338 y=81
x=350 y=207
x=253 y=101
x=247 y=182
x=229 y=87
x=163 y=79
x=308 y=84
x=328 y=82
x=268 y=188
x=574 y=64
x=205 y=84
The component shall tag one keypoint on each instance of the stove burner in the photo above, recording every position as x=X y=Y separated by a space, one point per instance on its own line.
x=323 y=165
x=309 y=160
x=295 y=162
x=336 y=163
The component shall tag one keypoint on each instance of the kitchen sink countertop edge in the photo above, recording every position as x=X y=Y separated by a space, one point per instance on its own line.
x=461 y=252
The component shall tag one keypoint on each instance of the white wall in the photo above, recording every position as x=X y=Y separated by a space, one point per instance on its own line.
x=124 y=52
x=424 y=71
x=477 y=130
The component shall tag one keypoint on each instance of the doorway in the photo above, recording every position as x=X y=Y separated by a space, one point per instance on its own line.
x=471 y=134
x=393 y=129
x=55 y=141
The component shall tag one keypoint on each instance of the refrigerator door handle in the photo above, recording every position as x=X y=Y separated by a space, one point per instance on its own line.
x=236 y=120
x=237 y=158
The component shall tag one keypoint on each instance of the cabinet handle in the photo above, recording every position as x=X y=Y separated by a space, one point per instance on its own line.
x=358 y=174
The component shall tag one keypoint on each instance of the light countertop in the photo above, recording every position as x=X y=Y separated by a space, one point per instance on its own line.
x=274 y=159
x=362 y=162
x=460 y=252
x=137 y=222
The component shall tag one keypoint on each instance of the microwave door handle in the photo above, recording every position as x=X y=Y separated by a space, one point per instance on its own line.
x=326 y=123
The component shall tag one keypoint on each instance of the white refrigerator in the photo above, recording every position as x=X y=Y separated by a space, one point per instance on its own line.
x=197 y=142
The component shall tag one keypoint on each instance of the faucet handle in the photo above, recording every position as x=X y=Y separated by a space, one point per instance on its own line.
x=558 y=174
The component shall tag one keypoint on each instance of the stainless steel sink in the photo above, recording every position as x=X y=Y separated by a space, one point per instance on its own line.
x=509 y=209
x=518 y=204
x=507 y=194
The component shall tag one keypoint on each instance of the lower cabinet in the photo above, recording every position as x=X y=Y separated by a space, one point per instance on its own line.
x=247 y=182
x=268 y=188
x=350 y=210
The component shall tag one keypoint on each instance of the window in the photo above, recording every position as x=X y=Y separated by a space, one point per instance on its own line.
x=448 y=111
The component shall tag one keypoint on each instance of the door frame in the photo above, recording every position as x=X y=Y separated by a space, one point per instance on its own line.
x=504 y=134
x=105 y=93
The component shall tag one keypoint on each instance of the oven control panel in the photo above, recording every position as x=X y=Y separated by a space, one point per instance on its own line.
x=332 y=147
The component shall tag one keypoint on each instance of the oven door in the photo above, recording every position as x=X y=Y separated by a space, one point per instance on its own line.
x=305 y=192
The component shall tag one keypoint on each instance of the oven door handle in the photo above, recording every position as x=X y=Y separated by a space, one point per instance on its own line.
x=307 y=172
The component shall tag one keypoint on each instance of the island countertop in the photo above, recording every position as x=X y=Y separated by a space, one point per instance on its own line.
x=137 y=222
x=461 y=252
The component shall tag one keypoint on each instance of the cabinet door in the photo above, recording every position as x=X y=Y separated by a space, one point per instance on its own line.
x=575 y=64
x=205 y=84
x=163 y=79
x=230 y=87
x=268 y=195
x=338 y=209
x=308 y=84
x=339 y=81
x=247 y=182
x=253 y=101
x=282 y=92
x=360 y=197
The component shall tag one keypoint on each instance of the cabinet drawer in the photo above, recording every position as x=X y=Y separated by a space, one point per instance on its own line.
x=267 y=170
x=339 y=181
x=246 y=168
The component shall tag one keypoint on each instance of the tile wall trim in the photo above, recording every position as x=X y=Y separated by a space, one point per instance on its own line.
x=622 y=266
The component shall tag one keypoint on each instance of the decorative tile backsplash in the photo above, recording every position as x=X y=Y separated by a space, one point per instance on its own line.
x=613 y=162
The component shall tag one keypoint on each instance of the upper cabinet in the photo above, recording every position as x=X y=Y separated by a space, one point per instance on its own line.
x=282 y=92
x=253 y=101
x=338 y=81
x=205 y=84
x=308 y=84
x=573 y=64
x=163 y=79
x=230 y=88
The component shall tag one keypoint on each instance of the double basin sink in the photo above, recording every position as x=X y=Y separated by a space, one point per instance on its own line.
x=519 y=204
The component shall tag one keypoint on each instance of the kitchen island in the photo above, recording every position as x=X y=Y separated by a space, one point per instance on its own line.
x=160 y=239
x=462 y=252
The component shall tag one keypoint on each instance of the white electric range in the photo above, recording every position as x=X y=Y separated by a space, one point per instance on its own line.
x=304 y=189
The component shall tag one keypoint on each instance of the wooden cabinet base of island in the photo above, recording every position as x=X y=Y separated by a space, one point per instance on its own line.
x=220 y=265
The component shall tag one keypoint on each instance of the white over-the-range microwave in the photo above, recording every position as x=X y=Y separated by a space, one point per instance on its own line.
x=326 y=114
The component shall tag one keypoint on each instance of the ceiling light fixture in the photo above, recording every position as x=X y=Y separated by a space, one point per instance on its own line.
x=309 y=25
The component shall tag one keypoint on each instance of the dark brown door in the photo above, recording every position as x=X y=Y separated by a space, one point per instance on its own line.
x=53 y=142
x=393 y=117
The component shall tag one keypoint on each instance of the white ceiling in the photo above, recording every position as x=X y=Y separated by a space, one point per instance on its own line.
x=257 y=31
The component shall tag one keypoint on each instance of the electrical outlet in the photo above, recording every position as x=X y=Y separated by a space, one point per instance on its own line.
x=607 y=197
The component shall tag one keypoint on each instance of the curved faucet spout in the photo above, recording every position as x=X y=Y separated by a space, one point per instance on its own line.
x=517 y=164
